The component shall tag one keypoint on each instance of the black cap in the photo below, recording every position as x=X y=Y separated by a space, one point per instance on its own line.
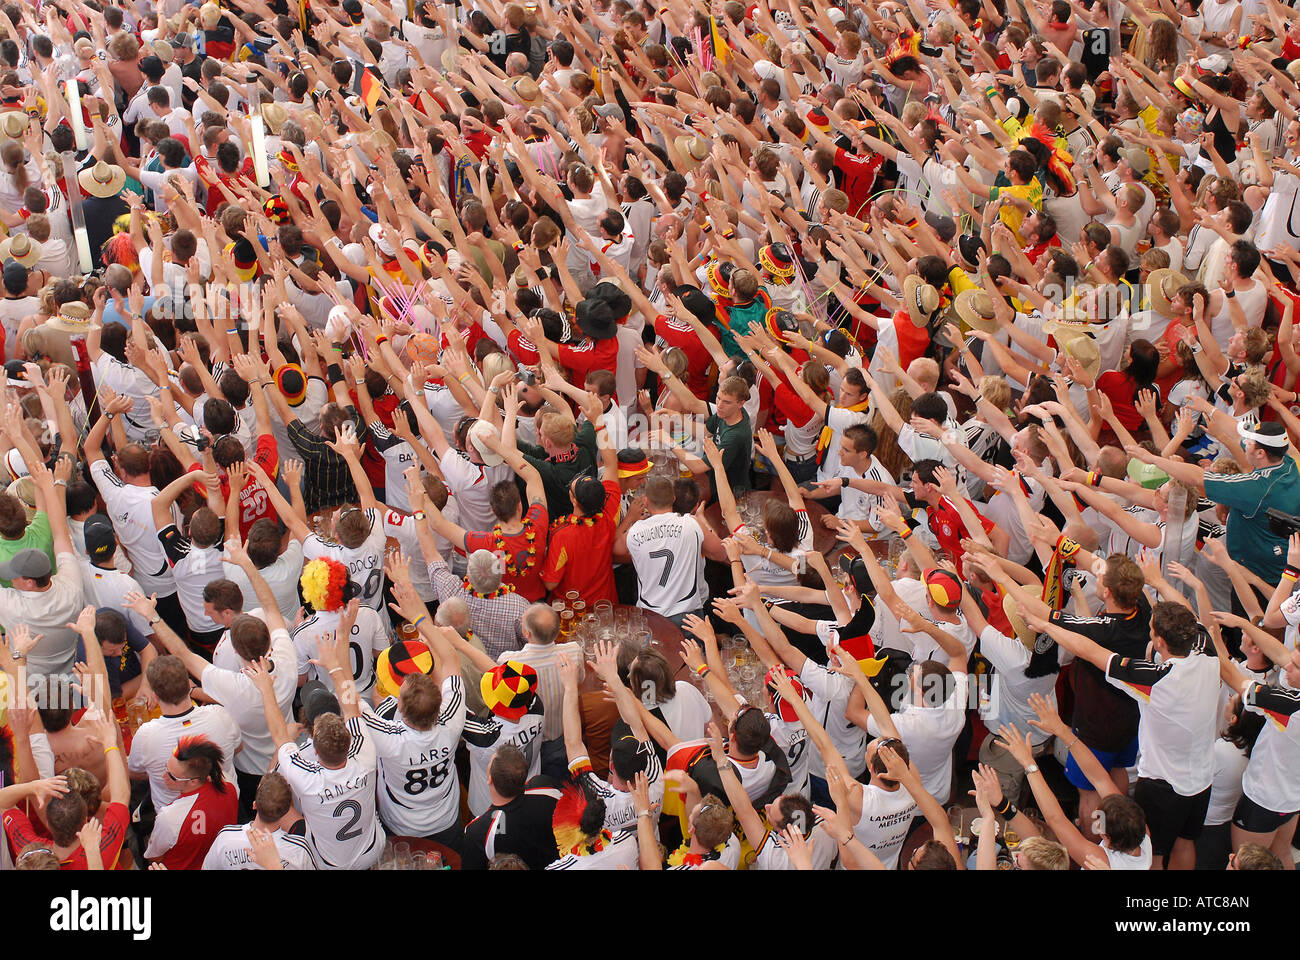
x=101 y=541
x=15 y=272
x=316 y=700
x=152 y=67
x=856 y=569
x=15 y=374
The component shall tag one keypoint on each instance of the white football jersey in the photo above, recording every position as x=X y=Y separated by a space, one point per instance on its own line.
x=232 y=850
x=369 y=639
x=482 y=737
x=668 y=553
x=622 y=852
x=365 y=563
x=419 y=791
x=156 y=740
x=130 y=508
x=338 y=805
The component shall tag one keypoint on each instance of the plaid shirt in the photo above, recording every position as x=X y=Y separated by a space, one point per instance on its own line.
x=494 y=621
x=326 y=480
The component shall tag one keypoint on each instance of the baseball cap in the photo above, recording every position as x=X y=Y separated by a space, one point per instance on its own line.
x=945 y=227
x=15 y=464
x=632 y=462
x=610 y=111
x=29 y=562
x=944 y=588
x=1138 y=159
x=856 y=569
x=15 y=375
x=101 y=541
x=316 y=700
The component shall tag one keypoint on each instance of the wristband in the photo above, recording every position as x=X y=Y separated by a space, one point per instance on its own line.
x=1291 y=573
x=518 y=245
x=381 y=339
x=600 y=426
x=906 y=533
x=1230 y=293
x=335 y=373
x=703 y=670
x=419 y=620
x=728 y=233
x=233 y=330
x=463 y=377
x=108 y=750
x=707 y=227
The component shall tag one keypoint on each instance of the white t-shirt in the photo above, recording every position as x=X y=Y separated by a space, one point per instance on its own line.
x=1272 y=777
x=156 y=740
x=838 y=419
x=929 y=734
x=887 y=631
x=471 y=484
x=828 y=700
x=236 y=692
x=886 y=818
x=1131 y=861
x=622 y=852
x=130 y=507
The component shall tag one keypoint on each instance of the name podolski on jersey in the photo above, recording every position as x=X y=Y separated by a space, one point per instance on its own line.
x=337 y=791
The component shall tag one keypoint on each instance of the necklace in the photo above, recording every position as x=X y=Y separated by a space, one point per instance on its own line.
x=500 y=591
x=530 y=554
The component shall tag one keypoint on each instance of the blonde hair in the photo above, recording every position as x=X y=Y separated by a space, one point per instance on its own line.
x=1045 y=854
x=558 y=428
x=996 y=391
x=495 y=364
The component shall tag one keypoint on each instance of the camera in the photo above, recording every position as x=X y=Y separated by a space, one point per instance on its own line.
x=1282 y=524
x=528 y=377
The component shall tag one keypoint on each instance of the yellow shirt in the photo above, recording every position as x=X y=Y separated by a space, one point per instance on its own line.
x=1012 y=215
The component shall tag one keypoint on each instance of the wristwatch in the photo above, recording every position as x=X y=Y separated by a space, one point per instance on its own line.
x=155 y=620
x=419 y=514
x=1032 y=768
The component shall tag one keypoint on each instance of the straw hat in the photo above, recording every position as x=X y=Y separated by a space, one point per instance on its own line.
x=1084 y=349
x=694 y=149
x=13 y=125
x=1018 y=626
x=103 y=180
x=274 y=114
x=975 y=309
x=528 y=92
x=22 y=248
x=920 y=299
x=1163 y=285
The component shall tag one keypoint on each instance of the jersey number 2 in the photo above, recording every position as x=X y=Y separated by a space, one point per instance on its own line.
x=349 y=830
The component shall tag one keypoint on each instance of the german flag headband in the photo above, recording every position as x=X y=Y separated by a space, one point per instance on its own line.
x=632 y=463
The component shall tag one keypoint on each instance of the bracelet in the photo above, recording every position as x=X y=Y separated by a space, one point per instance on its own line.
x=336 y=670
x=419 y=620
x=233 y=330
x=463 y=377
x=60 y=483
x=382 y=338
x=769 y=555
x=703 y=670
x=600 y=426
x=359 y=383
x=642 y=813
x=108 y=750
x=1230 y=293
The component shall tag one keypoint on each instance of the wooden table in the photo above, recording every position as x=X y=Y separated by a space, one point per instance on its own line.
x=667 y=633
x=824 y=541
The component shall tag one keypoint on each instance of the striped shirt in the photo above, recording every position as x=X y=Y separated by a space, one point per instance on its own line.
x=327 y=482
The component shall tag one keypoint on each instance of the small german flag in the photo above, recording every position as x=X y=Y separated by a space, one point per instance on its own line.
x=372 y=85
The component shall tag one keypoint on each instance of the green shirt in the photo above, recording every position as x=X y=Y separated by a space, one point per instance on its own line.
x=736 y=443
x=1248 y=497
x=37 y=535
x=558 y=474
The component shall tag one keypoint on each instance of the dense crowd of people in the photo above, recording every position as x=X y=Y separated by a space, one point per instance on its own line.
x=611 y=435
